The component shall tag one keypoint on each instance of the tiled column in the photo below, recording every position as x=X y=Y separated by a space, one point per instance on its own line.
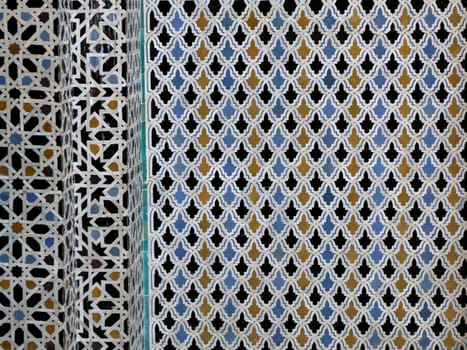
x=106 y=92
x=70 y=175
x=36 y=234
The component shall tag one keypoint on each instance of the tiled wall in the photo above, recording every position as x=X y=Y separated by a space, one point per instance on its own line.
x=306 y=174
x=305 y=166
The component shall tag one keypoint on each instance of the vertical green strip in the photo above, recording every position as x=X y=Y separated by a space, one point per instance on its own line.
x=144 y=242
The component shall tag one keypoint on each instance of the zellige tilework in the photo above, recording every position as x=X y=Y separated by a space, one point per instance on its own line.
x=306 y=174
x=70 y=198
x=107 y=180
x=36 y=232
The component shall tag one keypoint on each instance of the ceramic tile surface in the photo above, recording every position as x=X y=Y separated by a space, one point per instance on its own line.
x=303 y=165
x=70 y=182
x=36 y=231
x=306 y=174
x=106 y=145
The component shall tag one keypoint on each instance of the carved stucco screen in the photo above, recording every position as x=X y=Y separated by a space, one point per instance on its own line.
x=304 y=165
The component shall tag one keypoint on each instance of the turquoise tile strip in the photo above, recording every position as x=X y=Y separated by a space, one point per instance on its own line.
x=144 y=242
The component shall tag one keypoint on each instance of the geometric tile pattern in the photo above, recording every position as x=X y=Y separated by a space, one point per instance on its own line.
x=106 y=167
x=36 y=233
x=306 y=174
x=70 y=261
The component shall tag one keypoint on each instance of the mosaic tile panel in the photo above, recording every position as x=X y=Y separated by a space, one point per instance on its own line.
x=36 y=235
x=106 y=97
x=306 y=174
